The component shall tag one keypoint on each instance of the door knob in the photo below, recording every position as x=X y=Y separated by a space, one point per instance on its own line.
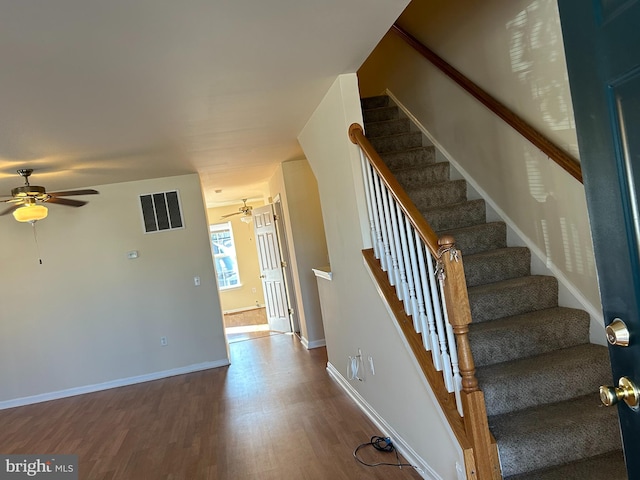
x=626 y=391
x=263 y=276
x=618 y=333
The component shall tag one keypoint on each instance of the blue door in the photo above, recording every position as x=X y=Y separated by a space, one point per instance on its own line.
x=602 y=45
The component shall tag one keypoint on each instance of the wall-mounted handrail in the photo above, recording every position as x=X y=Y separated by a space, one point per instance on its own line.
x=555 y=153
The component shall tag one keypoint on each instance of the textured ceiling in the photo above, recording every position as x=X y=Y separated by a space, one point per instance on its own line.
x=104 y=92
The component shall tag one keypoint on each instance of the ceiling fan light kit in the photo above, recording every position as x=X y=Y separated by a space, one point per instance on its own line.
x=31 y=212
x=25 y=200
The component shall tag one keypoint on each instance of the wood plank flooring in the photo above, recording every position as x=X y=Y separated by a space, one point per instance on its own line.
x=274 y=414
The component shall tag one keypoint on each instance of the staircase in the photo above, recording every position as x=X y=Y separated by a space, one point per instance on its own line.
x=535 y=365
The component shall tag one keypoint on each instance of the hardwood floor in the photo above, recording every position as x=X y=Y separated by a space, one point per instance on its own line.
x=274 y=414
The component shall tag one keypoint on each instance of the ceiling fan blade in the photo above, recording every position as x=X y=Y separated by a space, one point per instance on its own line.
x=66 y=201
x=231 y=215
x=10 y=209
x=69 y=193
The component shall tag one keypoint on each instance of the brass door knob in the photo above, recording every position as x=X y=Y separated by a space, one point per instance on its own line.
x=626 y=391
x=618 y=333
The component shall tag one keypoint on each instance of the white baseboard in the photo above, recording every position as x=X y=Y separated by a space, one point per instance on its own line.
x=311 y=345
x=70 y=392
x=243 y=309
x=399 y=443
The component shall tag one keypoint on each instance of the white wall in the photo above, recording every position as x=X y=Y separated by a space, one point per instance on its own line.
x=295 y=183
x=354 y=315
x=88 y=315
x=513 y=49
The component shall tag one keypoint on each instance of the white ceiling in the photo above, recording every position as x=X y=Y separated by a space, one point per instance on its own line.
x=98 y=92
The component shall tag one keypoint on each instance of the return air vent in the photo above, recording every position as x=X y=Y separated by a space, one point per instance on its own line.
x=161 y=211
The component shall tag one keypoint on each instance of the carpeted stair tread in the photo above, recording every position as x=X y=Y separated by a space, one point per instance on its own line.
x=387 y=127
x=497 y=265
x=512 y=297
x=380 y=114
x=411 y=157
x=413 y=178
x=550 y=377
x=463 y=214
x=379 y=101
x=478 y=238
x=438 y=194
x=527 y=335
x=610 y=466
x=397 y=142
x=555 y=434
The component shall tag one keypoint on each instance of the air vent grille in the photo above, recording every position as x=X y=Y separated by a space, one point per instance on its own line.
x=161 y=211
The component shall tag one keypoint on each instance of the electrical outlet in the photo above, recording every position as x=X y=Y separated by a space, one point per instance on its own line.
x=253 y=290
x=196 y=281
x=163 y=341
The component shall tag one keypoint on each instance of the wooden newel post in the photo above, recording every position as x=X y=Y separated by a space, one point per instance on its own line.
x=455 y=292
x=475 y=414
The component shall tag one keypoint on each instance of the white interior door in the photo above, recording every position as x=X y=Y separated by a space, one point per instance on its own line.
x=271 y=272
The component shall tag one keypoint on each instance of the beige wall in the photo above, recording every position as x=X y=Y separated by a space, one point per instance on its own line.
x=295 y=183
x=513 y=49
x=250 y=291
x=354 y=315
x=89 y=315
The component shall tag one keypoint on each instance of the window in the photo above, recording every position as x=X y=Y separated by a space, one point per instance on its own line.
x=224 y=255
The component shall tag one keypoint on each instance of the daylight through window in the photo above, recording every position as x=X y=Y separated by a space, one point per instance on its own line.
x=224 y=255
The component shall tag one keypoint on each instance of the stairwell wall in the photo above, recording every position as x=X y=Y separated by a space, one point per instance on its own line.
x=353 y=312
x=513 y=50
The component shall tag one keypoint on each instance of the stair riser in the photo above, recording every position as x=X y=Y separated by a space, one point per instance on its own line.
x=525 y=337
x=439 y=194
x=417 y=157
x=397 y=143
x=456 y=216
x=380 y=114
x=479 y=238
x=414 y=178
x=537 y=294
x=508 y=263
x=392 y=127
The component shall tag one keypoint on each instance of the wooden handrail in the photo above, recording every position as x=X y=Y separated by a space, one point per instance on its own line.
x=555 y=153
x=356 y=134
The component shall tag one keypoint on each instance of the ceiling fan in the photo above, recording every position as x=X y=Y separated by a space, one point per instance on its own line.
x=26 y=200
x=245 y=210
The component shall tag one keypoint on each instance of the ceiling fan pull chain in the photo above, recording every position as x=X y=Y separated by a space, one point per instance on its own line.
x=35 y=238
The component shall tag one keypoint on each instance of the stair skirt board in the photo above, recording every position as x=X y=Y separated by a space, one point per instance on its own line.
x=542 y=402
x=410 y=455
x=568 y=294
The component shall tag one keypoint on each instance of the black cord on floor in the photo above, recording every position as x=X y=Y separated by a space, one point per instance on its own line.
x=382 y=444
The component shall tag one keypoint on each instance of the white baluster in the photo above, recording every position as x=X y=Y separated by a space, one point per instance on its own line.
x=377 y=214
x=432 y=343
x=402 y=291
x=393 y=259
x=385 y=228
x=418 y=300
x=364 y=163
x=453 y=351
x=440 y=327
x=410 y=299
